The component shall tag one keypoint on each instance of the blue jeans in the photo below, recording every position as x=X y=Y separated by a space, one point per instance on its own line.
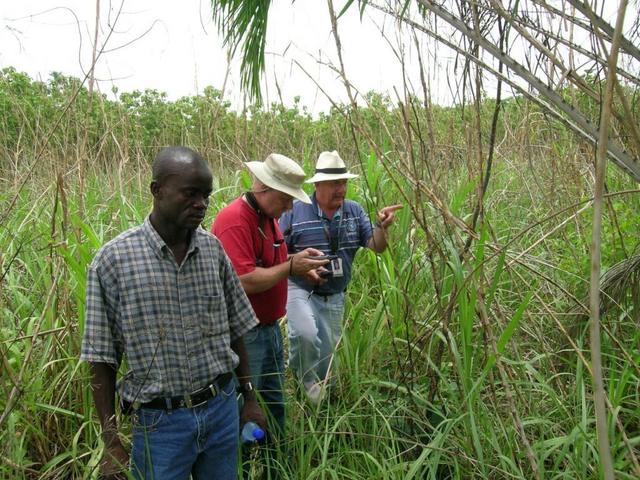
x=266 y=363
x=315 y=326
x=200 y=441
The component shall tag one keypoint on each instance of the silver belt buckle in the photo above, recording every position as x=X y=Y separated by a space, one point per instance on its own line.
x=201 y=403
x=214 y=390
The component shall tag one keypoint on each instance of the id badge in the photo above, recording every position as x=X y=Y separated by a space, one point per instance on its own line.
x=336 y=266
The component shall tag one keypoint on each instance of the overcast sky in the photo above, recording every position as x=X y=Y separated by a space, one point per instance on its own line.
x=181 y=52
x=174 y=47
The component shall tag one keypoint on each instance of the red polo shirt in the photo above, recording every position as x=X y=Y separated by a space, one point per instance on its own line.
x=251 y=240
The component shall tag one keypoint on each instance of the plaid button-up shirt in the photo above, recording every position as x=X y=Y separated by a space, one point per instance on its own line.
x=174 y=323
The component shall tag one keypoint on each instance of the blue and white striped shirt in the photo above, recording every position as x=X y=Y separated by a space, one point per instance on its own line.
x=306 y=225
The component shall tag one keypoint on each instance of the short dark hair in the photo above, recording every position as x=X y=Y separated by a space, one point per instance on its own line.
x=167 y=159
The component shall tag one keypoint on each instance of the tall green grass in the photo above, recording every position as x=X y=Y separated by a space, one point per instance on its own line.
x=455 y=362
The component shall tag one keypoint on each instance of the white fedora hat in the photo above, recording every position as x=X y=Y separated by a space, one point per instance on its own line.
x=282 y=174
x=330 y=167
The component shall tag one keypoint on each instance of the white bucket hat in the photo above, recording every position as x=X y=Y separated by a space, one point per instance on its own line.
x=330 y=167
x=282 y=174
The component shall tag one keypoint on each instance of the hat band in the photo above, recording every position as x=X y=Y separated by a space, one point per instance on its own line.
x=331 y=170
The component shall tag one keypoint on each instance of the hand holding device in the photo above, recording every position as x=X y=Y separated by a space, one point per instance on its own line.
x=324 y=257
x=325 y=274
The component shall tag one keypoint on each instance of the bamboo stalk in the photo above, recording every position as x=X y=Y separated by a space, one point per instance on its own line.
x=604 y=448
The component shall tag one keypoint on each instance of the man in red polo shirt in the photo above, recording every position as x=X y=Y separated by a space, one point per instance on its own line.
x=250 y=234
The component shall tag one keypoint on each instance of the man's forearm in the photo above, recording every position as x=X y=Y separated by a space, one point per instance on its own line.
x=250 y=408
x=242 y=370
x=378 y=241
x=262 y=279
x=103 y=387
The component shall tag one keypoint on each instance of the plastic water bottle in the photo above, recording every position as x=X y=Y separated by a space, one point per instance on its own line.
x=251 y=432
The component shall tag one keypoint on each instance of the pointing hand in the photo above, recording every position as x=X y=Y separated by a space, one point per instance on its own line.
x=386 y=216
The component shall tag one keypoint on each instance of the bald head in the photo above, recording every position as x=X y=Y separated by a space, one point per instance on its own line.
x=174 y=160
x=181 y=186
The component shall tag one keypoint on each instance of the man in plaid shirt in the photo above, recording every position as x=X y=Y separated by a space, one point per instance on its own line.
x=165 y=296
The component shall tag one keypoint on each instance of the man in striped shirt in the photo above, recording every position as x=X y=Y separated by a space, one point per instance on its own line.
x=338 y=227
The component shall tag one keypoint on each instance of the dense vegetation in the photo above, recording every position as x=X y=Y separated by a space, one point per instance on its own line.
x=465 y=344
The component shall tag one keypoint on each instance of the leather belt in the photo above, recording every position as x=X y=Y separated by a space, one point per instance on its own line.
x=190 y=400
x=325 y=295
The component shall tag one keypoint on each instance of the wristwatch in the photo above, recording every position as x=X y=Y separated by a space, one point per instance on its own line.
x=246 y=387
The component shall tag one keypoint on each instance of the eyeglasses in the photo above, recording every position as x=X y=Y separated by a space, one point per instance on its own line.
x=276 y=243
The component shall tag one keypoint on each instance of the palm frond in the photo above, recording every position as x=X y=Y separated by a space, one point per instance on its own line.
x=621 y=283
x=244 y=22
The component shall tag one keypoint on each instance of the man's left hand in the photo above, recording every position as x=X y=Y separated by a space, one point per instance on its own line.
x=251 y=412
x=386 y=216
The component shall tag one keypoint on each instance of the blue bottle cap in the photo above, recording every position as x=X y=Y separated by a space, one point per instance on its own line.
x=258 y=433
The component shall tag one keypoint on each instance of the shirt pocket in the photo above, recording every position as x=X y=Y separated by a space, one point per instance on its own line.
x=211 y=315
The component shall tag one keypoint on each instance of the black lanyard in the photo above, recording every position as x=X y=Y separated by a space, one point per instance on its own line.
x=334 y=242
x=277 y=242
